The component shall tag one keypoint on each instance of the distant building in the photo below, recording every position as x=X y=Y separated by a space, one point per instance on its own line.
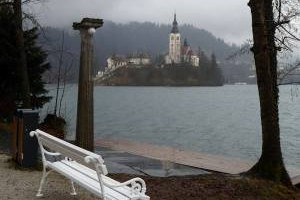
x=140 y=59
x=179 y=53
x=195 y=60
x=174 y=55
x=115 y=62
x=99 y=74
x=134 y=60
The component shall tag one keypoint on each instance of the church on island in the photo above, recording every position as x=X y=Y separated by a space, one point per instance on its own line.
x=179 y=53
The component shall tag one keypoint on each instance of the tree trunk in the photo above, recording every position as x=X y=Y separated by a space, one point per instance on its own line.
x=23 y=87
x=60 y=62
x=270 y=165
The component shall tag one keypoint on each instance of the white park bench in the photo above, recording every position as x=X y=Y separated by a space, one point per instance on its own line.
x=85 y=168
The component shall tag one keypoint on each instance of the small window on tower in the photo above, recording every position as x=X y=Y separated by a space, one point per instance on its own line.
x=177 y=37
x=172 y=37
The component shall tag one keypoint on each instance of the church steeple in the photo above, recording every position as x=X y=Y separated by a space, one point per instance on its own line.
x=175 y=25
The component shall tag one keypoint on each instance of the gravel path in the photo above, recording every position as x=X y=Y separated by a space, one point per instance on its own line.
x=23 y=184
x=16 y=184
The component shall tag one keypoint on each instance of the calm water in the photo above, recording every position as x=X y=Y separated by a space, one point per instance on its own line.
x=218 y=120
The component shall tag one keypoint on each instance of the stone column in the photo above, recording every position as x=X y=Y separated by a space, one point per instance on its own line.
x=85 y=104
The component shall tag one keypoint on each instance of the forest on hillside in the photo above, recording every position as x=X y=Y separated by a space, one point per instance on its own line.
x=128 y=38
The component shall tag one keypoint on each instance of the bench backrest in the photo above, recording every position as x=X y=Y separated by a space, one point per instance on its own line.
x=69 y=150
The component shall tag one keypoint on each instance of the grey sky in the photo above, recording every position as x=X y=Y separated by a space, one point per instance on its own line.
x=227 y=19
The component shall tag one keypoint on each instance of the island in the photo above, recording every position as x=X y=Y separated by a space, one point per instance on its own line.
x=180 y=66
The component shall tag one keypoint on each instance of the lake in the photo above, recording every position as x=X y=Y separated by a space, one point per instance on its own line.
x=217 y=120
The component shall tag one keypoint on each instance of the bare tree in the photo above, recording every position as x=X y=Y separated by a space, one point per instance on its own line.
x=65 y=75
x=269 y=18
x=290 y=70
x=60 y=62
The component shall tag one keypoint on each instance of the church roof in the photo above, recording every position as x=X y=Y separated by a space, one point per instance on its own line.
x=186 y=50
x=118 y=58
x=186 y=44
x=138 y=55
x=175 y=25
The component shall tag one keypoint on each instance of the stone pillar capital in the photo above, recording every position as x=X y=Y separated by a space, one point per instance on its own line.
x=88 y=24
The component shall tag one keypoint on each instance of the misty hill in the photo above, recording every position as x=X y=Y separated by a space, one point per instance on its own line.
x=135 y=36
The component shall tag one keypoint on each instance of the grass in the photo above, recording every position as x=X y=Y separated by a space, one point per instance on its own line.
x=214 y=186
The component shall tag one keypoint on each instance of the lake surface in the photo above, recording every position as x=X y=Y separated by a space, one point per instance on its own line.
x=218 y=120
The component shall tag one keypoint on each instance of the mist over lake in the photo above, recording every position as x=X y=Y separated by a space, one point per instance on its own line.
x=217 y=120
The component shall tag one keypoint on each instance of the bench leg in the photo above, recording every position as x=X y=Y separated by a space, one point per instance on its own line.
x=73 y=189
x=44 y=176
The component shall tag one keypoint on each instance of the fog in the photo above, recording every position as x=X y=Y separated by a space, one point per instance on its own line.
x=229 y=20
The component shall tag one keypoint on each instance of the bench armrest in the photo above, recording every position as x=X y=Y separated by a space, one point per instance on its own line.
x=98 y=162
x=136 y=185
x=43 y=150
x=51 y=153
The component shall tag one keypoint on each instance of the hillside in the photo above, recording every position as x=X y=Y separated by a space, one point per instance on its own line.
x=135 y=36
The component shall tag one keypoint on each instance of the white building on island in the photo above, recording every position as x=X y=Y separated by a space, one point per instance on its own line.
x=114 y=62
x=140 y=59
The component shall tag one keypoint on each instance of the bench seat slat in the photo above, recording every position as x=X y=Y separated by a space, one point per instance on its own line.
x=85 y=181
x=93 y=175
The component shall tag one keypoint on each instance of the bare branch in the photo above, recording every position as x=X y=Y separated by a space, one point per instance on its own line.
x=284 y=45
x=288 y=71
x=290 y=83
x=35 y=23
x=244 y=49
x=289 y=33
x=279 y=23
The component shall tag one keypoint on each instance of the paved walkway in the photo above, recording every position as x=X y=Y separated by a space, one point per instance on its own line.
x=123 y=162
x=185 y=157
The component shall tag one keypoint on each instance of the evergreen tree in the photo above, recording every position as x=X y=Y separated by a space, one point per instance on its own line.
x=204 y=61
x=37 y=65
x=8 y=77
x=215 y=71
x=36 y=62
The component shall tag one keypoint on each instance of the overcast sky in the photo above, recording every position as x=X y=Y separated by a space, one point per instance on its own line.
x=227 y=19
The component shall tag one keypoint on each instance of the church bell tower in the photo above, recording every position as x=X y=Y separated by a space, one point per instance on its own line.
x=175 y=43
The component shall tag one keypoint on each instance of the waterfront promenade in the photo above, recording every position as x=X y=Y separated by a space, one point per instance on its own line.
x=195 y=159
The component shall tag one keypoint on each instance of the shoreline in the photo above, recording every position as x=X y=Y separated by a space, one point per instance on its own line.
x=139 y=158
x=164 y=180
x=193 y=162
x=17 y=183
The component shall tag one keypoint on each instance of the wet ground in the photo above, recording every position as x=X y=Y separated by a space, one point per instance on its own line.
x=122 y=162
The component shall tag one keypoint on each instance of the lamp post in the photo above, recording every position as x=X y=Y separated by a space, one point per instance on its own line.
x=85 y=104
